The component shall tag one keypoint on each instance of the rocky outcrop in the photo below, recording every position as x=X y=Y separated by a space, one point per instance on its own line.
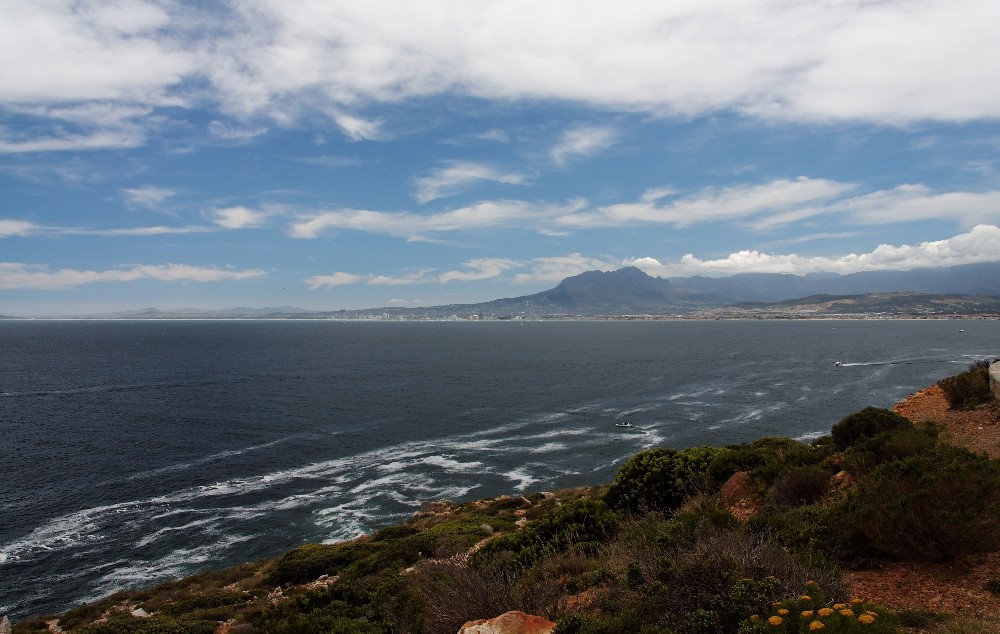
x=736 y=489
x=4 y=625
x=512 y=622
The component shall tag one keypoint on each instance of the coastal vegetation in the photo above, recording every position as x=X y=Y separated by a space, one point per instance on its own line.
x=745 y=539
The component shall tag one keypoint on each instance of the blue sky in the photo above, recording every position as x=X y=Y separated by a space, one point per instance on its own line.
x=334 y=155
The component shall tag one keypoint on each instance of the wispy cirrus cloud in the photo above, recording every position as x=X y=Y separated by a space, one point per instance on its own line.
x=761 y=207
x=479 y=269
x=545 y=269
x=20 y=228
x=503 y=214
x=583 y=141
x=14 y=275
x=458 y=176
x=240 y=217
x=151 y=197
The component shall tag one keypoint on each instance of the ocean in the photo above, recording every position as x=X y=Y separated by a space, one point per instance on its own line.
x=141 y=451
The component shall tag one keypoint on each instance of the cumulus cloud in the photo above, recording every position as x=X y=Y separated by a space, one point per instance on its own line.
x=457 y=176
x=981 y=244
x=14 y=275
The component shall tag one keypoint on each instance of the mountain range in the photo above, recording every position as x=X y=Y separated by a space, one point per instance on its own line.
x=631 y=291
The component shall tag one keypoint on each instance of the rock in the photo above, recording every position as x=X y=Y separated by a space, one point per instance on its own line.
x=736 y=488
x=139 y=613
x=841 y=480
x=512 y=622
x=434 y=507
x=486 y=528
x=548 y=495
x=5 y=625
x=521 y=523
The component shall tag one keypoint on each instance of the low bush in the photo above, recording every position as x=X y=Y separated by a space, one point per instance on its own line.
x=157 y=624
x=311 y=561
x=970 y=388
x=799 y=486
x=871 y=421
x=660 y=479
x=809 y=612
x=582 y=525
x=766 y=459
x=934 y=506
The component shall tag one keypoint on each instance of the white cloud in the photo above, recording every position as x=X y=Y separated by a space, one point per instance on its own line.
x=15 y=275
x=232 y=132
x=148 y=196
x=336 y=279
x=458 y=176
x=981 y=244
x=892 y=61
x=135 y=231
x=16 y=228
x=582 y=141
x=239 y=217
x=416 y=277
x=359 y=129
x=555 y=269
x=503 y=214
x=480 y=269
x=712 y=204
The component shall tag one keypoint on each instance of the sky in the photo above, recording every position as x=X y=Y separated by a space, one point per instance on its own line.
x=334 y=155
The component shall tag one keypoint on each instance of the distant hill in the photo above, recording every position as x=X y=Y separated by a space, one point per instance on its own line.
x=968 y=279
x=908 y=304
x=631 y=291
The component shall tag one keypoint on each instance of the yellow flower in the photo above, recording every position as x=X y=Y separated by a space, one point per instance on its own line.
x=783 y=612
x=866 y=618
x=846 y=612
x=754 y=618
x=816 y=625
x=805 y=597
x=807 y=614
x=825 y=611
x=811 y=584
x=839 y=606
x=775 y=620
x=857 y=601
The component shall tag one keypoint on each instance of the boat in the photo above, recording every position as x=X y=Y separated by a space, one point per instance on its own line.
x=624 y=423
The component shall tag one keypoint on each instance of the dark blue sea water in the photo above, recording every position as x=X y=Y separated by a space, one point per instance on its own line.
x=135 y=452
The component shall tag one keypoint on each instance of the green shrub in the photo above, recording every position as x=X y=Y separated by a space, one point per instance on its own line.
x=766 y=459
x=660 y=479
x=582 y=524
x=935 y=506
x=311 y=561
x=970 y=388
x=156 y=624
x=871 y=421
x=799 y=486
x=205 y=600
